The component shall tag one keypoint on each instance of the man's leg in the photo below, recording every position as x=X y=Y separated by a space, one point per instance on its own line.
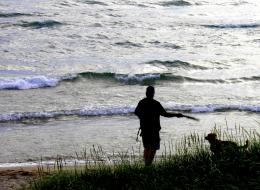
x=149 y=156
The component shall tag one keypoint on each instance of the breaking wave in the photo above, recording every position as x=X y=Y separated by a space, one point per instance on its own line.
x=28 y=83
x=214 y=108
x=128 y=79
x=146 y=79
x=55 y=114
x=124 y=110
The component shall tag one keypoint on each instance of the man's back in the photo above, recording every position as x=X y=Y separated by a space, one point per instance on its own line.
x=149 y=110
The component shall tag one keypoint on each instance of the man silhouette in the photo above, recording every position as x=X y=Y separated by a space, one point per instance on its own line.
x=149 y=111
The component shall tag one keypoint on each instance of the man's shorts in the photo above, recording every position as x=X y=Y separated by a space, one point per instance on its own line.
x=151 y=140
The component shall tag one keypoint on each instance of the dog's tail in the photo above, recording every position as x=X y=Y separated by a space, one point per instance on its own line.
x=246 y=145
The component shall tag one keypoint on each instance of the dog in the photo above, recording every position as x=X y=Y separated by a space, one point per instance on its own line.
x=219 y=147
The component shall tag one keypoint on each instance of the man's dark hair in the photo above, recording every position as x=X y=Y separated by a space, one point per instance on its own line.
x=150 y=92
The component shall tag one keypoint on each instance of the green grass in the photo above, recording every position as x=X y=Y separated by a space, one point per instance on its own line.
x=191 y=166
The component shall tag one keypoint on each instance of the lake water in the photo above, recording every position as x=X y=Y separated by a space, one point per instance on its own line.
x=73 y=71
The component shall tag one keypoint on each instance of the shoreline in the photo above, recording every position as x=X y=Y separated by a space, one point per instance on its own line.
x=14 y=176
x=45 y=141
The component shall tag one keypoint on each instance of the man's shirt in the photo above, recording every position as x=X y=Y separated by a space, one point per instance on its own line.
x=149 y=110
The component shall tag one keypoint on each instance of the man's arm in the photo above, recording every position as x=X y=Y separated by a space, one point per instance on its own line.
x=167 y=114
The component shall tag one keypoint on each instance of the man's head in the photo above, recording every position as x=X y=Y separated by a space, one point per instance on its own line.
x=150 y=92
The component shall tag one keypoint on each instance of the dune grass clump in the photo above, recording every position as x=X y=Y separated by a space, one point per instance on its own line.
x=190 y=166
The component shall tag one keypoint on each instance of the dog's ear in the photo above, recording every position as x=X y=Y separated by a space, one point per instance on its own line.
x=214 y=135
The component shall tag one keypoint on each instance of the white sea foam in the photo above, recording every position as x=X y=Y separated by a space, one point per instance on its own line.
x=28 y=83
x=251 y=108
x=207 y=108
x=125 y=110
x=53 y=114
x=213 y=108
x=52 y=81
x=53 y=162
x=44 y=81
x=42 y=163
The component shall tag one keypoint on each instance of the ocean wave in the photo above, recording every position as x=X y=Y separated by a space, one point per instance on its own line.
x=93 y=2
x=56 y=114
x=232 y=26
x=110 y=111
x=145 y=79
x=128 y=44
x=170 y=46
x=40 y=24
x=167 y=45
x=175 y=3
x=216 y=108
x=28 y=83
x=128 y=79
x=177 y=63
x=253 y=78
x=7 y=15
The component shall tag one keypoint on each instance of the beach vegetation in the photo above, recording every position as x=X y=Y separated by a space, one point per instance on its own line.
x=187 y=164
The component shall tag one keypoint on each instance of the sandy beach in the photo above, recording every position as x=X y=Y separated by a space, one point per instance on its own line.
x=16 y=178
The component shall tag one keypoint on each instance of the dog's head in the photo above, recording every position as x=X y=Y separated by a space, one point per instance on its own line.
x=211 y=137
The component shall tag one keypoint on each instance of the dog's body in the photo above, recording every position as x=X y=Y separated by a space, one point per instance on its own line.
x=223 y=147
